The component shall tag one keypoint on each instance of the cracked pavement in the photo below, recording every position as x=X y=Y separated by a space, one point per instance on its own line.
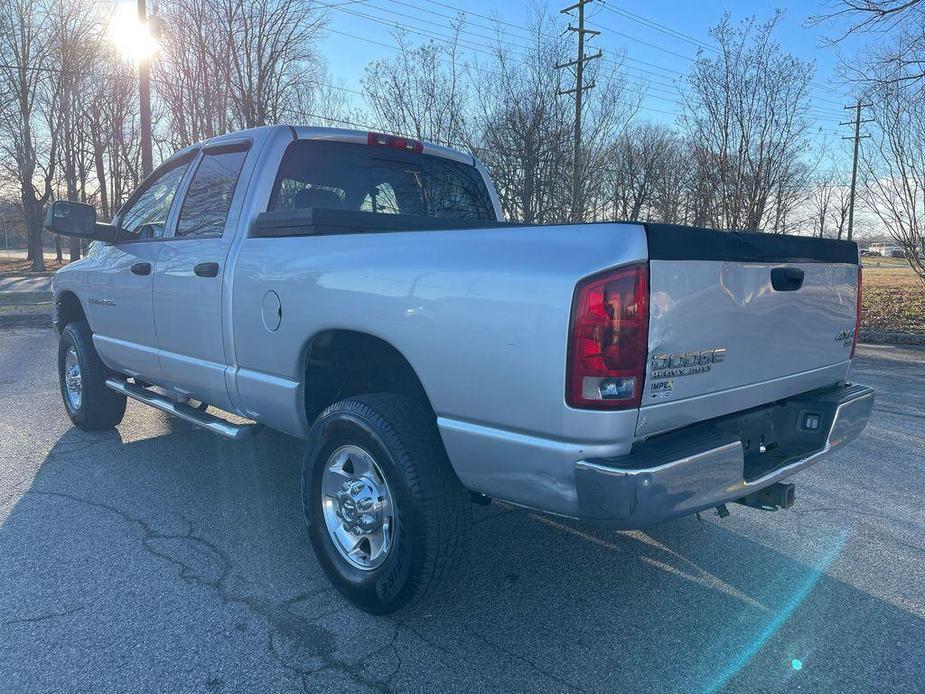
x=157 y=557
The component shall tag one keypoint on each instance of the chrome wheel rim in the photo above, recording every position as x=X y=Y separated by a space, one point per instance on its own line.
x=358 y=509
x=72 y=383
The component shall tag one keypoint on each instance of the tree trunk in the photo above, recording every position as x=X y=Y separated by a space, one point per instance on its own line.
x=34 y=223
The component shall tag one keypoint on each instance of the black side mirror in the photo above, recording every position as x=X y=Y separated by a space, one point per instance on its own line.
x=70 y=218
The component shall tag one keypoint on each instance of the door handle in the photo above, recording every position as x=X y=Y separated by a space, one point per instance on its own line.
x=787 y=279
x=206 y=270
x=141 y=268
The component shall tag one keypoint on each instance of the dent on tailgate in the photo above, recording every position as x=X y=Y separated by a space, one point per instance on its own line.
x=721 y=330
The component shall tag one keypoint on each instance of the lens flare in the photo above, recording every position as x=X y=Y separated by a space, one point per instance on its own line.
x=131 y=37
x=768 y=631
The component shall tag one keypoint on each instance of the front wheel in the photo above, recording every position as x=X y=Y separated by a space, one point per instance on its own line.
x=82 y=376
x=387 y=516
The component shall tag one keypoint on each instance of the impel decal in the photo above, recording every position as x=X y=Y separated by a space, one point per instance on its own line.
x=660 y=390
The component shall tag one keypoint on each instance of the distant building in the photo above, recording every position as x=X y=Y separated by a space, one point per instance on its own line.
x=887 y=250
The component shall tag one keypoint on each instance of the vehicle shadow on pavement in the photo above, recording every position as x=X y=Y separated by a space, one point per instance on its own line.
x=180 y=563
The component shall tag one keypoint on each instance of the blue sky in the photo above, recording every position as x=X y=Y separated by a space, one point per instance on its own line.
x=653 y=55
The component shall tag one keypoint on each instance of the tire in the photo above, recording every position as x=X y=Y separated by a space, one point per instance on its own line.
x=96 y=406
x=431 y=517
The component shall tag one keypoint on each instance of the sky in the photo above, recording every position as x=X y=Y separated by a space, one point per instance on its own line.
x=645 y=32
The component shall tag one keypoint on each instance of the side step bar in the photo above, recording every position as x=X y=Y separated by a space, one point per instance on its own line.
x=217 y=425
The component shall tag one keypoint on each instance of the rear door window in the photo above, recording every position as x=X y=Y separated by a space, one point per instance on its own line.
x=208 y=199
x=346 y=176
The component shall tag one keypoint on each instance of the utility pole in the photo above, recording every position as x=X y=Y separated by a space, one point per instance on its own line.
x=144 y=94
x=854 y=165
x=579 y=89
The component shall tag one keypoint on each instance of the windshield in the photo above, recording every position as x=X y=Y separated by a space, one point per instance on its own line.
x=344 y=176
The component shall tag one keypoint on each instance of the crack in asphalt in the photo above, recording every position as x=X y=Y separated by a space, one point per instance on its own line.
x=315 y=640
x=42 y=617
x=286 y=629
x=306 y=639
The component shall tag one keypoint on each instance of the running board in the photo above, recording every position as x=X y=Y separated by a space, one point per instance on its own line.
x=217 y=425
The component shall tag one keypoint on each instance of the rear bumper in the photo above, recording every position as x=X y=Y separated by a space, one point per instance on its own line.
x=719 y=461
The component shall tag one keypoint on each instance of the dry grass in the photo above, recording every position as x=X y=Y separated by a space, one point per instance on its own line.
x=23 y=265
x=893 y=297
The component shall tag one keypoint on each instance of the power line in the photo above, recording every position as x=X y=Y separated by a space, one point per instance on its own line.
x=431 y=34
x=651 y=23
x=639 y=19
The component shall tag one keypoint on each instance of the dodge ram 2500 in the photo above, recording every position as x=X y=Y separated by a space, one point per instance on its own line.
x=361 y=291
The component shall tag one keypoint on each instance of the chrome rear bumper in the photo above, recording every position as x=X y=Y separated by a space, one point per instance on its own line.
x=719 y=461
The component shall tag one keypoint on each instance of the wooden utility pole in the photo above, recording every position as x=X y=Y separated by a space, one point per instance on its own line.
x=144 y=94
x=854 y=165
x=580 y=87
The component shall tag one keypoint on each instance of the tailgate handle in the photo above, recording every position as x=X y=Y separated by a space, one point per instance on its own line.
x=786 y=279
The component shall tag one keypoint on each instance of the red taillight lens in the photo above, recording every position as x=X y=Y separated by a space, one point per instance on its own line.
x=608 y=341
x=857 y=322
x=395 y=142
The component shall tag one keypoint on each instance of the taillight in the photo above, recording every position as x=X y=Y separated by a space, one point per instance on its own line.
x=395 y=142
x=857 y=322
x=608 y=340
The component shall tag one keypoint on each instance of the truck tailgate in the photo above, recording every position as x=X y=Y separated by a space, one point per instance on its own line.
x=739 y=319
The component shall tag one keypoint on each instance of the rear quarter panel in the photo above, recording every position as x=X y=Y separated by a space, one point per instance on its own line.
x=481 y=315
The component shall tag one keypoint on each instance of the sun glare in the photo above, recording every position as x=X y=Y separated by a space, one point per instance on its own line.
x=131 y=37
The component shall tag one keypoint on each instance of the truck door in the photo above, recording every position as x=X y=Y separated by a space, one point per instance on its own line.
x=188 y=277
x=119 y=297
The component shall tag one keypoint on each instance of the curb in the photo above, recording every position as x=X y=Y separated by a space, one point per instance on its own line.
x=883 y=338
x=19 y=275
x=27 y=320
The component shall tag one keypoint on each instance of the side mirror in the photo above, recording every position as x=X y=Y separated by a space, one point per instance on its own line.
x=70 y=218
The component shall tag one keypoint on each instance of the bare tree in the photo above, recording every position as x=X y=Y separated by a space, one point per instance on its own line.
x=898 y=56
x=421 y=91
x=641 y=158
x=841 y=207
x=232 y=64
x=28 y=137
x=75 y=37
x=822 y=202
x=894 y=168
x=522 y=127
x=746 y=112
x=606 y=112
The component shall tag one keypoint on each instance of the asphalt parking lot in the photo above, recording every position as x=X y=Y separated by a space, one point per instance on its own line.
x=157 y=557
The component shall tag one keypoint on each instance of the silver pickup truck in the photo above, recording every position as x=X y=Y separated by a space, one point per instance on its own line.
x=362 y=292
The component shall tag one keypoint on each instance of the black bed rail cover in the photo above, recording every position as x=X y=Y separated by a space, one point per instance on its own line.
x=319 y=221
x=675 y=242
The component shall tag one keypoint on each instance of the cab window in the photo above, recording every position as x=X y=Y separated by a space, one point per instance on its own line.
x=361 y=178
x=145 y=217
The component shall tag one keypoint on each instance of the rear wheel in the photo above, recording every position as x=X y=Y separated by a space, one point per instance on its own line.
x=82 y=376
x=387 y=517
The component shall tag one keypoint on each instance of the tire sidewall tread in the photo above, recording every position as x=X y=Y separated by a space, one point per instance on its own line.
x=433 y=508
x=100 y=406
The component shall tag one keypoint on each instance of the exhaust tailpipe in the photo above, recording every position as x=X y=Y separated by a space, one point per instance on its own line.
x=771 y=498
